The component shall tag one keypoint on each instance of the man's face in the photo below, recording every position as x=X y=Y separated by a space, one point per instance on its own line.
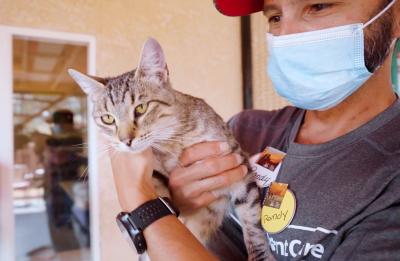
x=296 y=16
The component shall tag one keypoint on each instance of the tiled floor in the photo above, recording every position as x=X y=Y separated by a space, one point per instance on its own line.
x=32 y=232
x=33 y=235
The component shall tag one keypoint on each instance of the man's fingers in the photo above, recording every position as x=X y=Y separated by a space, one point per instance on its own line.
x=203 y=150
x=222 y=180
x=203 y=200
x=207 y=168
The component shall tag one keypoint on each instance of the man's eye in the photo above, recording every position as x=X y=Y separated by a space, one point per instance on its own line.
x=320 y=7
x=274 y=19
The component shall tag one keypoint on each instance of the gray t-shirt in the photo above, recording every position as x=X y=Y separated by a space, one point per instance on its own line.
x=347 y=190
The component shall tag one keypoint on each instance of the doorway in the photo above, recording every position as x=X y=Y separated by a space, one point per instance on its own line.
x=48 y=203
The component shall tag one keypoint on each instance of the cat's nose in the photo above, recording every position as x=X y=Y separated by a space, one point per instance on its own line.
x=128 y=142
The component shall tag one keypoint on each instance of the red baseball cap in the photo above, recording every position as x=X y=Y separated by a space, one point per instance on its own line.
x=238 y=7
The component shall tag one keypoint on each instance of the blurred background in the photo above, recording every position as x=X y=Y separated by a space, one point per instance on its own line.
x=57 y=199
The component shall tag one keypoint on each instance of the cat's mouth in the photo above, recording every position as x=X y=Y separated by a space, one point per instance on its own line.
x=133 y=147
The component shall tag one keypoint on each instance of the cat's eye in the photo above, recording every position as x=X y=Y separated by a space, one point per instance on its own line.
x=140 y=109
x=107 y=119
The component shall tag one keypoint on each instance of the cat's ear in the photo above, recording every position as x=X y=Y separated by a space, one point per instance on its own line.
x=90 y=85
x=152 y=65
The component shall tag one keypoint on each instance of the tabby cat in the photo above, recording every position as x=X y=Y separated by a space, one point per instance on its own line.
x=140 y=109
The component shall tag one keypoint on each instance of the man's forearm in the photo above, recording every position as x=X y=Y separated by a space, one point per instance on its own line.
x=169 y=239
x=166 y=238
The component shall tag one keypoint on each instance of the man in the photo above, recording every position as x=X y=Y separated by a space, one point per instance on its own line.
x=63 y=162
x=331 y=60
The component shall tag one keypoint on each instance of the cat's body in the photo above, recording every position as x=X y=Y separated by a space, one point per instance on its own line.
x=139 y=109
x=214 y=129
x=205 y=221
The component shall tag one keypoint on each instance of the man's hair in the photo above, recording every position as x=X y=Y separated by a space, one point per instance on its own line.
x=63 y=117
x=379 y=37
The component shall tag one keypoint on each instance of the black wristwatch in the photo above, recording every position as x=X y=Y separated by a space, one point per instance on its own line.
x=132 y=224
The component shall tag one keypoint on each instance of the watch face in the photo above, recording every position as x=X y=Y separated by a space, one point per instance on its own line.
x=133 y=235
x=125 y=233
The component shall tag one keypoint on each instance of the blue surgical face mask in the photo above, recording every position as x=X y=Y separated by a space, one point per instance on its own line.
x=319 y=69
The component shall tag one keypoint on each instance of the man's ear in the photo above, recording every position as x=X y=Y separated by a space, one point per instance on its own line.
x=152 y=65
x=90 y=85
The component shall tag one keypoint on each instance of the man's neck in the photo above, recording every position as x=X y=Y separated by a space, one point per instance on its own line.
x=375 y=96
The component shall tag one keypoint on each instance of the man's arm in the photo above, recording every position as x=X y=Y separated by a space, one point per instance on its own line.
x=168 y=238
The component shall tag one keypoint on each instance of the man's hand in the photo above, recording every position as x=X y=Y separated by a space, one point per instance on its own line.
x=204 y=167
x=132 y=177
x=167 y=236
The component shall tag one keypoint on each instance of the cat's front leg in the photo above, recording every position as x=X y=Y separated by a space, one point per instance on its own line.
x=246 y=200
x=160 y=183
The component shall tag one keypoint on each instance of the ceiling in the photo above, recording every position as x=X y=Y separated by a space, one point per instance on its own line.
x=41 y=67
x=40 y=79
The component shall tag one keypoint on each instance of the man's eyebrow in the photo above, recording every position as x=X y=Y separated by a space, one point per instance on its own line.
x=275 y=7
x=270 y=7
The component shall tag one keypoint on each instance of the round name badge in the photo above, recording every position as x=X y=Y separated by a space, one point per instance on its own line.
x=275 y=220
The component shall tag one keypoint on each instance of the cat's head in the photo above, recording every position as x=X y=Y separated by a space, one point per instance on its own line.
x=136 y=109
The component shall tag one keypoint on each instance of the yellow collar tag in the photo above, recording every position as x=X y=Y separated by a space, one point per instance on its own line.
x=279 y=208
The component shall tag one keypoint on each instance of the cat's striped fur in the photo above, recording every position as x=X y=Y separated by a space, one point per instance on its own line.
x=173 y=121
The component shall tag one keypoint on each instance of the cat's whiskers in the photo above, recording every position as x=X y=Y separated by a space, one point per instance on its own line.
x=159 y=135
x=80 y=144
x=84 y=175
x=86 y=146
x=180 y=139
x=170 y=136
x=164 y=150
x=166 y=132
x=180 y=136
x=172 y=126
x=141 y=143
x=166 y=138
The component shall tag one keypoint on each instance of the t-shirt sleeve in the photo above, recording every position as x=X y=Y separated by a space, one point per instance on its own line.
x=257 y=129
x=375 y=238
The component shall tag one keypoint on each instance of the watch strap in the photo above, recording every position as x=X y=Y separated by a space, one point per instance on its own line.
x=152 y=210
